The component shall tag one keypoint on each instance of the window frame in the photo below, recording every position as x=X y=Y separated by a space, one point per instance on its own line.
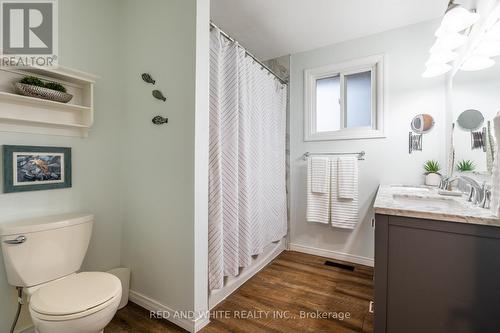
x=374 y=64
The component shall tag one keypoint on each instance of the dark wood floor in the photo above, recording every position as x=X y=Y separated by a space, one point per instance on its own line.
x=133 y=318
x=293 y=286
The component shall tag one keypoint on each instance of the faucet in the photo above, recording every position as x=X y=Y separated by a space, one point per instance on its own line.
x=486 y=199
x=478 y=194
x=446 y=182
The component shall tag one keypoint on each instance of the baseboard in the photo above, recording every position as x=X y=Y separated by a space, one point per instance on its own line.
x=333 y=254
x=191 y=325
x=199 y=323
x=220 y=295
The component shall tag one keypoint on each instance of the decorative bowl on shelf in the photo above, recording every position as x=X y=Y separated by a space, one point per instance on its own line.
x=41 y=92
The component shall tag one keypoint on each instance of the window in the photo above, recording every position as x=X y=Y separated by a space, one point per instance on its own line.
x=327 y=104
x=344 y=101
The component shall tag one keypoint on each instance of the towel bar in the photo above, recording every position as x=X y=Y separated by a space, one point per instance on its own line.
x=361 y=154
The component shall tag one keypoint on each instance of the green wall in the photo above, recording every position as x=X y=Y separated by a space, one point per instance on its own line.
x=88 y=30
x=137 y=178
x=158 y=161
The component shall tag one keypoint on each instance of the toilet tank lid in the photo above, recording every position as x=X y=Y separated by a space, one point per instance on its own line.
x=37 y=224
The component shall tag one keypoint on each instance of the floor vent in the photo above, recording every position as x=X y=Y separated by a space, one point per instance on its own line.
x=342 y=266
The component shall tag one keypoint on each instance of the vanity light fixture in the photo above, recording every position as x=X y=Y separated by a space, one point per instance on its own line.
x=449 y=38
x=489 y=49
x=477 y=62
x=449 y=42
x=489 y=45
x=456 y=19
x=434 y=70
x=493 y=34
x=442 y=58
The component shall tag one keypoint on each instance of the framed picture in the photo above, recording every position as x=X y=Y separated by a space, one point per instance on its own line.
x=31 y=168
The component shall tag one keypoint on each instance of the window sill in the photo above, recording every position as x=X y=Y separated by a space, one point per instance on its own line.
x=351 y=134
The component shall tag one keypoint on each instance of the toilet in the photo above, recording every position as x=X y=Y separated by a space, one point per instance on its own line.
x=43 y=255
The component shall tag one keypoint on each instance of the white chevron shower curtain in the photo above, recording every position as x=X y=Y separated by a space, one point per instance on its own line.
x=247 y=198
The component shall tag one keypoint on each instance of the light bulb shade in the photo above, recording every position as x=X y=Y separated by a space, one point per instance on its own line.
x=476 y=63
x=488 y=48
x=450 y=41
x=493 y=34
x=441 y=57
x=457 y=19
x=436 y=70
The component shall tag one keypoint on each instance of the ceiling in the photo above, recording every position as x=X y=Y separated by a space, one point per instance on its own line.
x=272 y=28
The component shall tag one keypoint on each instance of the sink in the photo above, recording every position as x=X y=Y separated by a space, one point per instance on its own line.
x=411 y=188
x=419 y=187
x=427 y=202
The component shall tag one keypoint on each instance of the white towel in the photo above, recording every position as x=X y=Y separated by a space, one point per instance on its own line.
x=495 y=190
x=490 y=148
x=347 y=177
x=320 y=168
x=451 y=153
x=318 y=204
x=344 y=212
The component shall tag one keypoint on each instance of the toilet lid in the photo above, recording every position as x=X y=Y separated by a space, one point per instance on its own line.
x=75 y=293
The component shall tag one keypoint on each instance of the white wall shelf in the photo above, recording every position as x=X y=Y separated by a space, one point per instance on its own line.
x=34 y=115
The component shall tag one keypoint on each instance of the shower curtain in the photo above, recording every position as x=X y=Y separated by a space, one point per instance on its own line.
x=247 y=194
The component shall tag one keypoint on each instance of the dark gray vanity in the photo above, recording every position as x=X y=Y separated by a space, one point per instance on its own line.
x=437 y=265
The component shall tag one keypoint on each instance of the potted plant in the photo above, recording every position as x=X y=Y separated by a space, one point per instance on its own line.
x=34 y=87
x=466 y=166
x=432 y=175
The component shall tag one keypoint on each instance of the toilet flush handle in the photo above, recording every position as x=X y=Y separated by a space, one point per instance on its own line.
x=18 y=240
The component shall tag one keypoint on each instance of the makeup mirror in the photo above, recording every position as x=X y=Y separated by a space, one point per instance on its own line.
x=470 y=120
x=422 y=123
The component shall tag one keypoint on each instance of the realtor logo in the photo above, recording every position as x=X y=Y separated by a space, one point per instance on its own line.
x=29 y=32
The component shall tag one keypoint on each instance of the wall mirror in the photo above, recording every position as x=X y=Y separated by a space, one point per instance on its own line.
x=475 y=101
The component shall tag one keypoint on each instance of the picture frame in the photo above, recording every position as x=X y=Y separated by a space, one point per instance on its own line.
x=36 y=168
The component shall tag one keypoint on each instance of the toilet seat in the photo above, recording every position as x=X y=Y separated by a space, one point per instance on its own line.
x=75 y=296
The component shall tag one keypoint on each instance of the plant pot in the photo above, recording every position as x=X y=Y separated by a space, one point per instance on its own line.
x=41 y=92
x=433 y=179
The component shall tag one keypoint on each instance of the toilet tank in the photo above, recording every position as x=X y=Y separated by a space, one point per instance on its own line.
x=39 y=250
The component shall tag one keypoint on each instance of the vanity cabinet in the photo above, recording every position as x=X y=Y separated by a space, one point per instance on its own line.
x=435 y=276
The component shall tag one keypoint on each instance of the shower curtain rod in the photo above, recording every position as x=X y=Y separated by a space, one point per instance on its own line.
x=212 y=25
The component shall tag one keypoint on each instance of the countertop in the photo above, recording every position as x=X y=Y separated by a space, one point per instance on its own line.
x=426 y=203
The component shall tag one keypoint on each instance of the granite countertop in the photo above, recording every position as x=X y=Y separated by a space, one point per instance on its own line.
x=425 y=202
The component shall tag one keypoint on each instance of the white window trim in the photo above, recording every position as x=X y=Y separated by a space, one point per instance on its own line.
x=374 y=63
